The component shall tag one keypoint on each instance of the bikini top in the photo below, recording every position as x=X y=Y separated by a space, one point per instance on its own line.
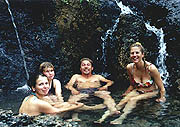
x=147 y=84
x=52 y=89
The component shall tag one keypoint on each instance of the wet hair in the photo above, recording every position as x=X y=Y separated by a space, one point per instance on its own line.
x=88 y=59
x=45 y=65
x=138 y=44
x=33 y=78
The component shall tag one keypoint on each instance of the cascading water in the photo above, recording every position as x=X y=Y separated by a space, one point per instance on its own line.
x=160 y=61
x=18 y=39
x=109 y=33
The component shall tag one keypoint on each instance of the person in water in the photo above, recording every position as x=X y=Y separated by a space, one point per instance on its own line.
x=55 y=92
x=34 y=105
x=85 y=84
x=145 y=80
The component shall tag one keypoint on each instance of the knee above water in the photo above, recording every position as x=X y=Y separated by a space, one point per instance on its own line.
x=133 y=99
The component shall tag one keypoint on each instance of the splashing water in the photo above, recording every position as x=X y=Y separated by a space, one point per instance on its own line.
x=124 y=9
x=160 y=61
x=19 y=42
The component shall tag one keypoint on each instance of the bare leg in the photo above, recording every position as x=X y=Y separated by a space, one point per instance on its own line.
x=131 y=105
x=105 y=115
x=128 y=108
x=95 y=107
x=108 y=101
x=118 y=106
x=75 y=117
x=74 y=99
x=122 y=103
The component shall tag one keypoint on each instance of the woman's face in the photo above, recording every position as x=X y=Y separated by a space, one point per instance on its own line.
x=42 y=86
x=136 y=54
x=49 y=72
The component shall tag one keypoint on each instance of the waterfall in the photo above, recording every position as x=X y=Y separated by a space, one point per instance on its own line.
x=18 y=39
x=109 y=32
x=160 y=61
x=124 y=9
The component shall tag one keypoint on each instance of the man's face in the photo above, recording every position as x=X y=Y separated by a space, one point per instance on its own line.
x=86 y=67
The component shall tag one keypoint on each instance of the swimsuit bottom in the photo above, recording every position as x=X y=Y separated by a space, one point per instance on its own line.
x=88 y=90
x=143 y=92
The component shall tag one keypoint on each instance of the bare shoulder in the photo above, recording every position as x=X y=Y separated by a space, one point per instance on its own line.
x=76 y=76
x=56 y=81
x=98 y=76
x=151 y=67
x=129 y=66
x=40 y=103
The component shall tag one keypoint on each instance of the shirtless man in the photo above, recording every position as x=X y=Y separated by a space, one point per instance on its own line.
x=89 y=84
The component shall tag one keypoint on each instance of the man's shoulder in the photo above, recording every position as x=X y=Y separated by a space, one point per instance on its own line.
x=97 y=76
x=76 y=75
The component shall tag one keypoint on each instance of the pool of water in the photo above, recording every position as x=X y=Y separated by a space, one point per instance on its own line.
x=147 y=113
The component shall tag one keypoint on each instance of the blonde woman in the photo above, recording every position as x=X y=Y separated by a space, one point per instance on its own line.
x=145 y=83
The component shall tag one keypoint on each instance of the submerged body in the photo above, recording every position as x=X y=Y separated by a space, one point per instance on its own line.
x=85 y=84
x=35 y=105
x=145 y=83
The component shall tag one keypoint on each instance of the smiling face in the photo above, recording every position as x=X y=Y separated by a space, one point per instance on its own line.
x=136 y=54
x=86 y=67
x=42 y=86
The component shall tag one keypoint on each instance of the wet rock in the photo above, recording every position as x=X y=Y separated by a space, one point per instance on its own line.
x=178 y=84
x=8 y=118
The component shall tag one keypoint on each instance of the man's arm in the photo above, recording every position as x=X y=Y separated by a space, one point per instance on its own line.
x=108 y=83
x=71 y=83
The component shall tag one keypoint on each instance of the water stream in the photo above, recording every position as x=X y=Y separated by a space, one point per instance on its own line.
x=18 y=39
x=148 y=114
x=160 y=61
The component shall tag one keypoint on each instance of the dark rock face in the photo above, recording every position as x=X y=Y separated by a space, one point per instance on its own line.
x=38 y=35
x=63 y=32
x=166 y=15
x=157 y=10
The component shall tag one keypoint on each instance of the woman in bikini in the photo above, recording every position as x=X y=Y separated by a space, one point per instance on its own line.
x=145 y=83
x=34 y=105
